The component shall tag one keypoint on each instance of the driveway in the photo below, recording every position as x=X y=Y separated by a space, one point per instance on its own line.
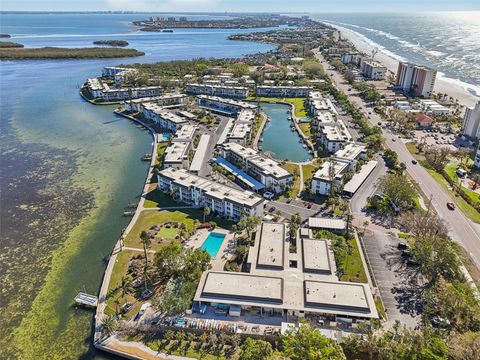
x=295 y=206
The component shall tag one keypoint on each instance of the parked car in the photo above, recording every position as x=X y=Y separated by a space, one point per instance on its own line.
x=402 y=245
x=414 y=161
x=268 y=195
x=289 y=200
x=451 y=206
x=126 y=308
x=272 y=209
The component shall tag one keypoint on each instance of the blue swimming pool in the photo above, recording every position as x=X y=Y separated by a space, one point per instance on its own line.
x=212 y=243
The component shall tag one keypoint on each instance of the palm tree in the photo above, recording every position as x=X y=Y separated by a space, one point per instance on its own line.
x=126 y=286
x=117 y=303
x=146 y=243
x=206 y=212
x=109 y=325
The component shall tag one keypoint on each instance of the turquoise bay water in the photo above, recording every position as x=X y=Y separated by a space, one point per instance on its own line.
x=68 y=171
x=213 y=243
x=278 y=139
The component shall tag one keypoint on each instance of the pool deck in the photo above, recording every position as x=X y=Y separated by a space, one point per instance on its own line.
x=225 y=251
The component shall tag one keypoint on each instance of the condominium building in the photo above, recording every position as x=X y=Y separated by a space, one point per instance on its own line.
x=331 y=173
x=267 y=171
x=417 y=79
x=280 y=284
x=283 y=91
x=352 y=58
x=223 y=105
x=136 y=105
x=372 y=69
x=352 y=152
x=333 y=136
x=318 y=103
x=100 y=89
x=433 y=107
x=241 y=133
x=164 y=118
x=471 y=121
x=197 y=191
x=237 y=92
x=477 y=158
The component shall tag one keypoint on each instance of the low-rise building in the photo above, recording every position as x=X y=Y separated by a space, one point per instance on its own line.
x=317 y=103
x=241 y=133
x=477 y=158
x=197 y=191
x=100 y=89
x=164 y=118
x=372 y=70
x=352 y=58
x=162 y=100
x=283 y=91
x=266 y=170
x=281 y=284
x=333 y=136
x=338 y=226
x=434 y=108
x=352 y=152
x=236 y=92
x=331 y=173
x=423 y=121
x=223 y=105
x=177 y=154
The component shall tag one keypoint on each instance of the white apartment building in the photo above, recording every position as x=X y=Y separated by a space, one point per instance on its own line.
x=471 y=122
x=420 y=80
x=165 y=119
x=352 y=58
x=223 y=105
x=333 y=136
x=318 y=103
x=176 y=155
x=265 y=170
x=136 y=105
x=283 y=91
x=237 y=92
x=372 y=70
x=352 y=152
x=221 y=199
x=241 y=133
x=331 y=172
x=433 y=107
x=477 y=157
x=100 y=89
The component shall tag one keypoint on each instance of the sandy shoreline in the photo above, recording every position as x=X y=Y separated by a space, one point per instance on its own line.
x=453 y=87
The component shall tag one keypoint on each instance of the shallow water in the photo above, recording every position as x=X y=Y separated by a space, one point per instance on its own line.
x=278 y=139
x=68 y=170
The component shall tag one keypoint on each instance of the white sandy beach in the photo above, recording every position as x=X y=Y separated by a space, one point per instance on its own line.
x=453 y=87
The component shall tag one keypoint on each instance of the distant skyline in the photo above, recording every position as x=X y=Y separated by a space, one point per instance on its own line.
x=311 y=6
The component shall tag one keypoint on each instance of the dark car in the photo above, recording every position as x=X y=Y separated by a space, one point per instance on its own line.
x=451 y=206
x=402 y=245
x=289 y=200
x=272 y=209
x=414 y=161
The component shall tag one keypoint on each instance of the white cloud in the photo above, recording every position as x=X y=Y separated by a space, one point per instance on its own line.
x=163 y=5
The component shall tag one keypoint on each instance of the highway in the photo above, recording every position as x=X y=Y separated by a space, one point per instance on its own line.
x=461 y=229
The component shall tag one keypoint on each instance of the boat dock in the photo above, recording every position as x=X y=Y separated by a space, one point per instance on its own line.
x=86 y=300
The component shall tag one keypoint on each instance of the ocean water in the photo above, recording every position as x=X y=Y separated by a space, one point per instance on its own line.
x=446 y=41
x=68 y=169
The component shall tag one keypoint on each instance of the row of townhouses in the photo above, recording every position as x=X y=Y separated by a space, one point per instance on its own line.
x=267 y=171
x=223 y=200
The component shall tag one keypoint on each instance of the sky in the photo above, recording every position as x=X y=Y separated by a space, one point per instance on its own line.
x=312 y=6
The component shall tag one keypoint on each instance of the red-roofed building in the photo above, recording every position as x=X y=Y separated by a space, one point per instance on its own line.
x=423 y=120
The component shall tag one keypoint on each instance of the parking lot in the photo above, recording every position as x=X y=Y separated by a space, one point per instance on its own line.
x=305 y=209
x=434 y=137
x=397 y=282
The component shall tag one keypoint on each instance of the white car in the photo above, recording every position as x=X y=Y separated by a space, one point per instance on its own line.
x=268 y=195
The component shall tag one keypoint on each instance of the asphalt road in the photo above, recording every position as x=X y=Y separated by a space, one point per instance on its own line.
x=461 y=229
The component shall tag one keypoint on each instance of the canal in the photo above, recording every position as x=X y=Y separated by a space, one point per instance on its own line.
x=278 y=138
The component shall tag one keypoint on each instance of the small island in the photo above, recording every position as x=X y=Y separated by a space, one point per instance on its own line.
x=120 y=43
x=5 y=36
x=65 y=53
x=9 y=45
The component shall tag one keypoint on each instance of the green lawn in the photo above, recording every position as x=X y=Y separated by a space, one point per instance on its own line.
x=305 y=128
x=462 y=204
x=167 y=233
x=161 y=147
x=451 y=169
x=380 y=308
x=299 y=103
x=308 y=171
x=156 y=198
x=353 y=266
x=293 y=168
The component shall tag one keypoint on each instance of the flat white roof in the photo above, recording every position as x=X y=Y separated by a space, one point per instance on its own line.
x=199 y=157
x=324 y=172
x=326 y=223
x=336 y=294
x=176 y=152
x=351 y=151
x=271 y=245
x=246 y=287
x=185 y=133
x=316 y=256
x=357 y=180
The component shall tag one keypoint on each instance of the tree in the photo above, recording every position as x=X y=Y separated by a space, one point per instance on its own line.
x=307 y=343
x=206 y=212
x=126 y=286
x=146 y=242
x=437 y=257
x=195 y=263
x=249 y=223
x=169 y=259
x=423 y=224
x=390 y=158
x=398 y=190
x=294 y=223
x=465 y=346
x=437 y=157
x=252 y=349
x=350 y=77
x=109 y=324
